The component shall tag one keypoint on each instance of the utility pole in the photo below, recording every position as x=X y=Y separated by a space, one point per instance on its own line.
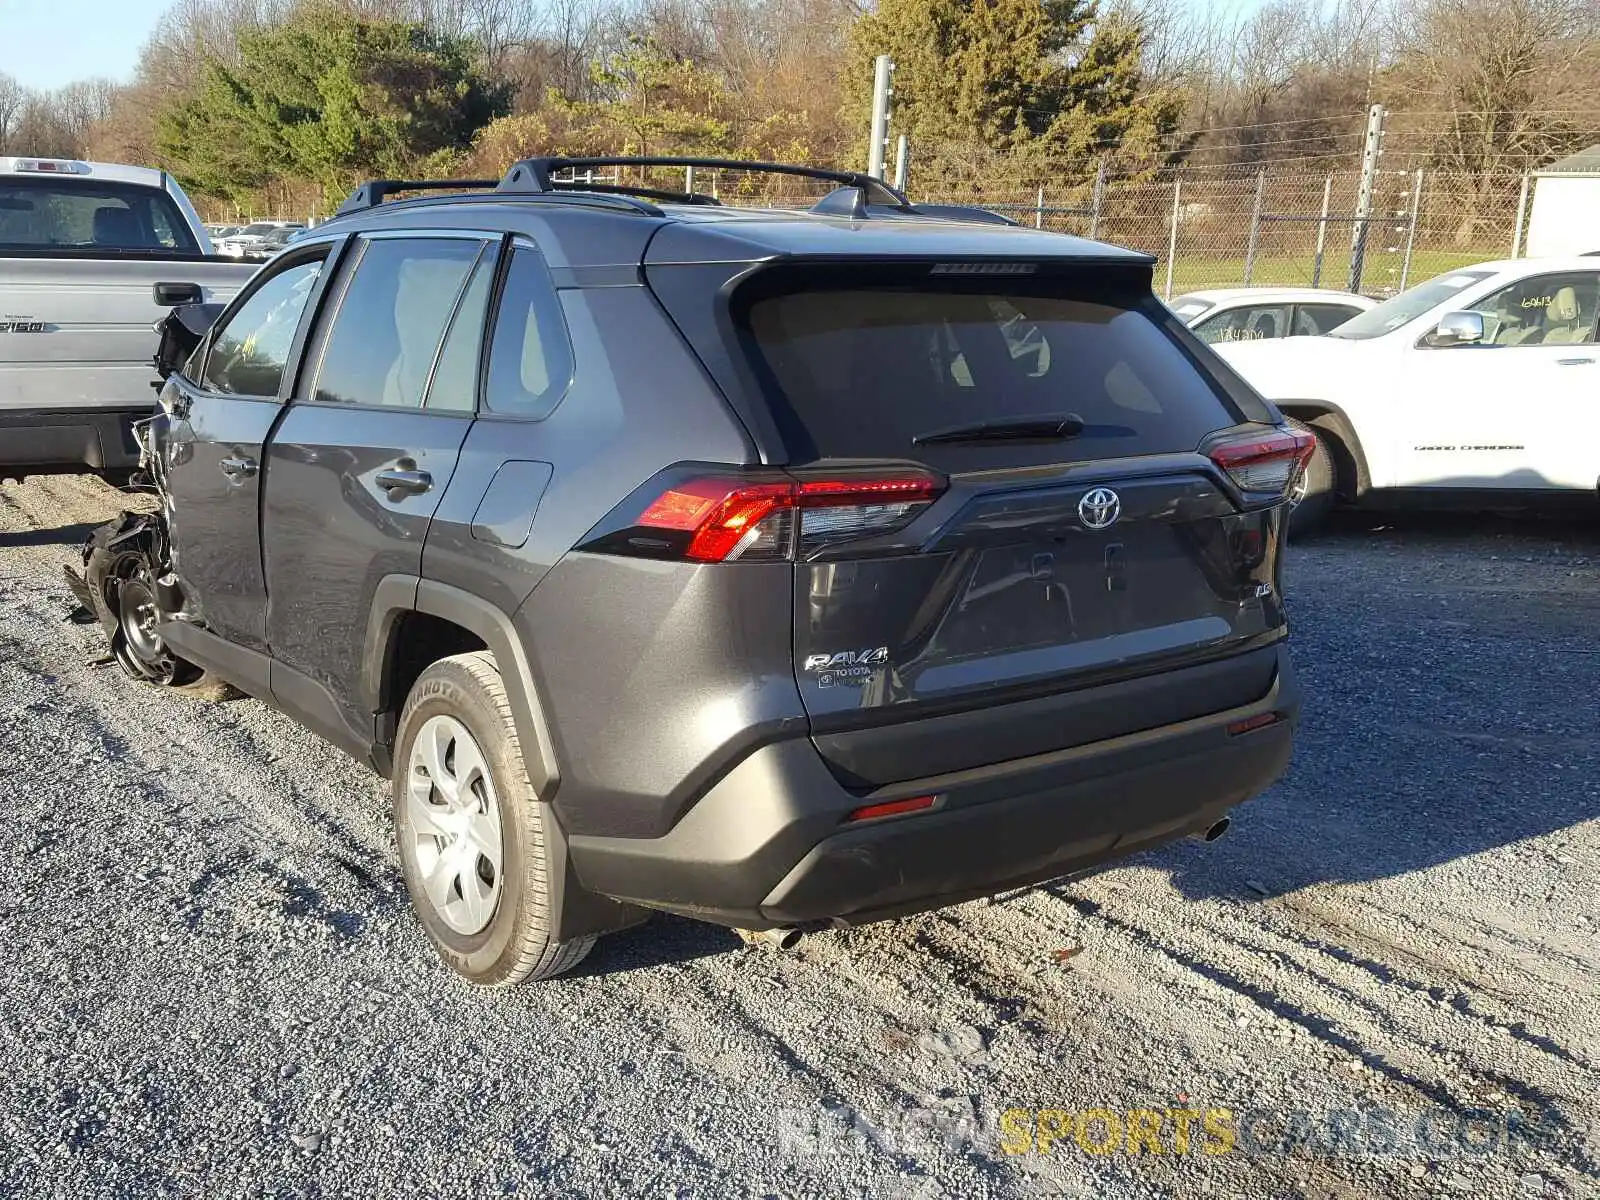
x=882 y=69
x=1322 y=232
x=902 y=163
x=1369 y=179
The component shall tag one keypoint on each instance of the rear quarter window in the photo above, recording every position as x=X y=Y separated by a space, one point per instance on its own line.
x=860 y=372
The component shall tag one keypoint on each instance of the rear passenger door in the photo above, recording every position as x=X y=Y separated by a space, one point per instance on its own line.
x=371 y=439
x=1317 y=320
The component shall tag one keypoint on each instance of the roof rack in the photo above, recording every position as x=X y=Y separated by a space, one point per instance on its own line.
x=535 y=175
x=858 y=195
x=375 y=191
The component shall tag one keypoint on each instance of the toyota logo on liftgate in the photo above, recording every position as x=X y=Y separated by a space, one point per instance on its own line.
x=1099 y=508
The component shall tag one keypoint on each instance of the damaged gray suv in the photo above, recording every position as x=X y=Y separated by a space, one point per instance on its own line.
x=778 y=569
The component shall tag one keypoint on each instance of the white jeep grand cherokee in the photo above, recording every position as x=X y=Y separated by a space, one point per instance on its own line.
x=1480 y=387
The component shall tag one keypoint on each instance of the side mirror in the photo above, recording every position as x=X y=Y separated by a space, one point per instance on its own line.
x=1458 y=329
x=170 y=295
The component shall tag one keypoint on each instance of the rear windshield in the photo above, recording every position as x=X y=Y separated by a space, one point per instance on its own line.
x=80 y=214
x=864 y=371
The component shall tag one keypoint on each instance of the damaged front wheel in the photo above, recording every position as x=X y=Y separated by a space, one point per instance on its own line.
x=119 y=584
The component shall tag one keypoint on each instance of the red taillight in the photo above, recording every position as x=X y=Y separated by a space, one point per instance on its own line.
x=1264 y=462
x=717 y=515
x=891 y=808
x=729 y=520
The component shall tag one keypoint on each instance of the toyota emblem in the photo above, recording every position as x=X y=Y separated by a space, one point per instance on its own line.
x=1099 y=508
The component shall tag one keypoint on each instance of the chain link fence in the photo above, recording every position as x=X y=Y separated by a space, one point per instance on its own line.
x=1280 y=225
x=1297 y=228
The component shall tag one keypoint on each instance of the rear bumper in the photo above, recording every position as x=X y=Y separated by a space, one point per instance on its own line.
x=769 y=843
x=46 y=441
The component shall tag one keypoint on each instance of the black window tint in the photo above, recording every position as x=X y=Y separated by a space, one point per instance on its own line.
x=391 y=319
x=865 y=371
x=1314 y=320
x=530 y=361
x=455 y=379
x=1253 y=323
x=248 y=354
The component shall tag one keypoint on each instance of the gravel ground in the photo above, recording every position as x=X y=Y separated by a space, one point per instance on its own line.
x=214 y=983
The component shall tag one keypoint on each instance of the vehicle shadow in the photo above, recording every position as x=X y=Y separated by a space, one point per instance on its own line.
x=664 y=940
x=60 y=535
x=1450 y=673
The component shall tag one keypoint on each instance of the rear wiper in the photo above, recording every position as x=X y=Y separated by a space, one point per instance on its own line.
x=1021 y=429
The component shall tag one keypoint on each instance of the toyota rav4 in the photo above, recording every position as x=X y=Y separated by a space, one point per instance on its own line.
x=778 y=569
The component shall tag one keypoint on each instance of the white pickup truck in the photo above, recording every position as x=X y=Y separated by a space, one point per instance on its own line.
x=91 y=256
x=1480 y=388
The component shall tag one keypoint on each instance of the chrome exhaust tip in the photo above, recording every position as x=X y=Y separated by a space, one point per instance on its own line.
x=1212 y=832
x=784 y=937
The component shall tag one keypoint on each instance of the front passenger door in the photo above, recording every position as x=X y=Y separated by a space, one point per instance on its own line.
x=366 y=449
x=222 y=406
x=1250 y=323
x=1516 y=412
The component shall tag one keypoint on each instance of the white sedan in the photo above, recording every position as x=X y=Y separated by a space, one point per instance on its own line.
x=1480 y=387
x=1254 y=314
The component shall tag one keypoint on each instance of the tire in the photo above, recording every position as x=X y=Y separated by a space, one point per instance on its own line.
x=1317 y=491
x=461 y=791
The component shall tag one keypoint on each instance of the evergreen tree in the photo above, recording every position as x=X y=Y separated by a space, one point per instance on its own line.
x=1050 y=84
x=331 y=98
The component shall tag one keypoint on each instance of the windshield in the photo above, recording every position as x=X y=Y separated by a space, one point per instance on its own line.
x=1408 y=305
x=82 y=214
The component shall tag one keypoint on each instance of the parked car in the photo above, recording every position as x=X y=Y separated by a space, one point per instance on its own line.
x=217 y=232
x=84 y=249
x=1253 y=314
x=250 y=242
x=276 y=240
x=1476 y=388
x=738 y=565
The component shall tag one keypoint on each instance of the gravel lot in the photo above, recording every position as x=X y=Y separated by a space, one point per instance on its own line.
x=214 y=984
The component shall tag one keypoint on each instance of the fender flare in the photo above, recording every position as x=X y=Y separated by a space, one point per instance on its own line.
x=396 y=595
x=1328 y=416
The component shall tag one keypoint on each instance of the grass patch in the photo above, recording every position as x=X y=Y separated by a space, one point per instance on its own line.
x=1381 y=276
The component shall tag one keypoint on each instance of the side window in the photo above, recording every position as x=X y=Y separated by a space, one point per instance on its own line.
x=1252 y=323
x=1314 y=320
x=455 y=379
x=530 y=359
x=390 y=320
x=1547 y=310
x=249 y=353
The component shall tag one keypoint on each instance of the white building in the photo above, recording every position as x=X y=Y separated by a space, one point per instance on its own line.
x=1565 y=215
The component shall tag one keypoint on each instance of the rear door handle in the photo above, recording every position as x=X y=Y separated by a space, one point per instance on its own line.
x=1574 y=362
x=239 y=468
x=400 y=483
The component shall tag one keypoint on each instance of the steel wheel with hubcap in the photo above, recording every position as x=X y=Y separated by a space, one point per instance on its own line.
x=474 y=837
x=454 y=824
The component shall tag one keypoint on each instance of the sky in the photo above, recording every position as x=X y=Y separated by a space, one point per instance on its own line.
x=46 y=43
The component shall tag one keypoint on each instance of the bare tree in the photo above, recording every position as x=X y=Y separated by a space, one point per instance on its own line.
x=12 y=97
